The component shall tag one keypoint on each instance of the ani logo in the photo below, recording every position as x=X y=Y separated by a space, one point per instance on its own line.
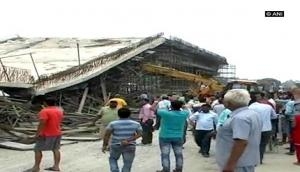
x=274 y=13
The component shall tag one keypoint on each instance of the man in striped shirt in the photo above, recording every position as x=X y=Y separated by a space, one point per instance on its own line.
x=124 y=133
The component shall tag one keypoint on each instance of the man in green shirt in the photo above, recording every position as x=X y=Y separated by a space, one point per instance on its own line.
x=107 y=115
x=224 y=115
x=171 y=135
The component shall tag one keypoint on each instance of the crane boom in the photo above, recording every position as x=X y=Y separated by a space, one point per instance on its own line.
x=213 y=85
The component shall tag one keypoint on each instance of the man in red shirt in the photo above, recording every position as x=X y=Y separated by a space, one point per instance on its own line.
x=48 y=134
x=296 y=124
x=296 y=137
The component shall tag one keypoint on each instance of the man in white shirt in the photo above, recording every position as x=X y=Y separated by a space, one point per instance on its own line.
x=266 y=113
x=165 y=103
x=218 y=108
x=205 y=122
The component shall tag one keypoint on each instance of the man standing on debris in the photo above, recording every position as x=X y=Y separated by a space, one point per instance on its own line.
x=146 y=117
x=124 y=132
x=107 y=115
x=171 y=135
x=237 y=142
x=48 y=134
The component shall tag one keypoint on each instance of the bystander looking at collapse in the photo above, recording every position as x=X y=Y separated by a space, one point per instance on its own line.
x=266 y=113
x=219 y=107
x=171 y=135
x=262 y=98
x=146 y=117
x=185 y=107
x=164 y=103
x=289 y=114
x=121 y=102
x=107 y=114
x=48 y=135
x=295 y=139
x=296 y=136
x=225 y=114
x=123 y=133
x=205 y=124
x=237 y=142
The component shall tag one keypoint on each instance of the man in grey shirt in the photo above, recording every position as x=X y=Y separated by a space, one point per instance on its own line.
x=237 y=142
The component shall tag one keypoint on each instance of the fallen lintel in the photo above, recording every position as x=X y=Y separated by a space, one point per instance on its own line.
x=83 y=139
x=26 y=147
x=82 y=102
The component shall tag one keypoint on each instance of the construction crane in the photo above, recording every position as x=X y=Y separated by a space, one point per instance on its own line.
x=203 y=85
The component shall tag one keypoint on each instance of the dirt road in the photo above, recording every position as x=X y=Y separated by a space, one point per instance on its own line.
x=87 y=157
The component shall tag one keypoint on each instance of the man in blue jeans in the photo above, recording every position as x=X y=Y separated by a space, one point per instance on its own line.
x=124 y=133
x=171 y=135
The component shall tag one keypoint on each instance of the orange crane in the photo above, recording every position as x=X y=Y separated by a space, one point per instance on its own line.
x=203 y=85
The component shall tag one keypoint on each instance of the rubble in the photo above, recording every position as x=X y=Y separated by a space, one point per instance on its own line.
x=19 y=119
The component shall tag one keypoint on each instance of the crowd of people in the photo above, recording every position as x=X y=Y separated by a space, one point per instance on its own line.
x=243 y=124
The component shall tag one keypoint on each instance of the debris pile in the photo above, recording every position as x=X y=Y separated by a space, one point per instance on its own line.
x=19 y=119
x=15 y=111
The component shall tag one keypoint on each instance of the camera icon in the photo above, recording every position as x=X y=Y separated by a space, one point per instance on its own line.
x=268 y=13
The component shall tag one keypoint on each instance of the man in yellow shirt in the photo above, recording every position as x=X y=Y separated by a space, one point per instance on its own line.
x=121 y=102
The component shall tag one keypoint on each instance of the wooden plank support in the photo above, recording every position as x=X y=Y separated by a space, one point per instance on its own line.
x=78 y=54
x=103 y=88
x=82 y=102
x=37 y=73
x=18 y=115
x=60 y=98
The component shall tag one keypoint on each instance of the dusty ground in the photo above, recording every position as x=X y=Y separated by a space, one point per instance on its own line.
x=87 y=157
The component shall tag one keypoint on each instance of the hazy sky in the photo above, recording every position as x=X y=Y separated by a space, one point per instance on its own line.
x=236 y=29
